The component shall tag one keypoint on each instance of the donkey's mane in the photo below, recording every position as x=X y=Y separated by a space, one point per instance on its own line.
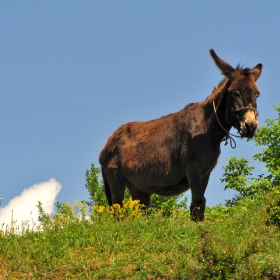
x=216 y=91
x=241 y=67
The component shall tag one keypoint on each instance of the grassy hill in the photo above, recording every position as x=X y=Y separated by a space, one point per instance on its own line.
x=239 y=242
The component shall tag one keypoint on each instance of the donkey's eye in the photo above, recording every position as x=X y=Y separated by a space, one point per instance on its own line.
x=236 y=93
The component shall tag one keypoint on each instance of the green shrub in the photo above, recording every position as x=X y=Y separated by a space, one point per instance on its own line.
x=269 y=136
x=95 y=186
x=273 y=208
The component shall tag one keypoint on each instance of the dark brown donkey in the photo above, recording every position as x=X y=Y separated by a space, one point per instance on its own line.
x=177 y=152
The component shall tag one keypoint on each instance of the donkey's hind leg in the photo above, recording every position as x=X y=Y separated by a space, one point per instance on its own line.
x=139 y=195
x=116 y=183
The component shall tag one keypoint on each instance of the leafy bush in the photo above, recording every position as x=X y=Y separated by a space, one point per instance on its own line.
x=169 y=204
x=235 y=177
x=95 y=186
x=269 y=136
x=273 y=208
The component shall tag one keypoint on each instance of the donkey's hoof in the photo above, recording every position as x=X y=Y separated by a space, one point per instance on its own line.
x=197 y=214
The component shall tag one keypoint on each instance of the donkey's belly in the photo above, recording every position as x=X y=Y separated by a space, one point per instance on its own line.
x=168 y=190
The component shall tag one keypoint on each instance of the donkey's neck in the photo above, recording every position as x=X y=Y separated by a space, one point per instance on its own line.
x=215 y=107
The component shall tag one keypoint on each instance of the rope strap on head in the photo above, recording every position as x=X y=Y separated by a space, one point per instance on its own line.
x=229 y=135
x=247 y=108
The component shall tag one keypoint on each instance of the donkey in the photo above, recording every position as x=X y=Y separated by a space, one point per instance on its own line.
x=177 y=152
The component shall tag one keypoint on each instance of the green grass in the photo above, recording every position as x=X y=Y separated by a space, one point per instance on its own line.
x=232 y=243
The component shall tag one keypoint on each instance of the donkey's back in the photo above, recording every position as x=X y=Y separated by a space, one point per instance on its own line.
x=142 y=147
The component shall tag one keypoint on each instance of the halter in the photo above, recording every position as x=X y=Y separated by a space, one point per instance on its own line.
x=229 y=135
x=247 y=108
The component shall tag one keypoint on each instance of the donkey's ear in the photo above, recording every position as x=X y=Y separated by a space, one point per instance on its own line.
x=256 y=71
x=222 y=65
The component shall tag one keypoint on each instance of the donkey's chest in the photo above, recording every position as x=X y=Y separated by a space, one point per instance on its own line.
x=208 y=160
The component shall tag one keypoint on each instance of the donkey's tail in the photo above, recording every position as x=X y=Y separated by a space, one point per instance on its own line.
x=107 y=190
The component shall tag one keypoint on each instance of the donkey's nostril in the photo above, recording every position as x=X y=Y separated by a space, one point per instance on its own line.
x=250 y=127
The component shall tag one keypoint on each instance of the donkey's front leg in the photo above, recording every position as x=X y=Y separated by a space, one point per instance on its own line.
x=198 y=200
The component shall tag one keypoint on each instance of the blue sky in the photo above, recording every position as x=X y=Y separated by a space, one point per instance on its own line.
x=73 y=71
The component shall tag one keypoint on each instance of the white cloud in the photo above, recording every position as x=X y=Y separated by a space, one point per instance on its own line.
x=23 y=207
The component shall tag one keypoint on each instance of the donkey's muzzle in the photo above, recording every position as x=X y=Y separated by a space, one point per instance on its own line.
x=249 y=125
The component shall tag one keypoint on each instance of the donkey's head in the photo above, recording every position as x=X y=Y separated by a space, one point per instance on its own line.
x=242 y=93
